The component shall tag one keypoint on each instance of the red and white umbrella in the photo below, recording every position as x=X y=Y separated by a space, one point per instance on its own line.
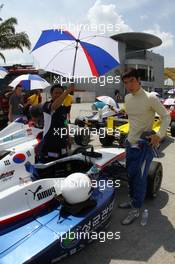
x=81 y=54
x=169 y=102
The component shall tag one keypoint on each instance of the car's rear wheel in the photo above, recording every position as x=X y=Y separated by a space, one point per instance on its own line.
x=79 y=122
x=82 y=138
x=122 y=139
x=172 y=129
x=107 y=140
x=155 y=176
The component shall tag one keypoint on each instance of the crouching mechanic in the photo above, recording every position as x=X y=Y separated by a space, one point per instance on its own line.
x=141 y=108
x=55 y=134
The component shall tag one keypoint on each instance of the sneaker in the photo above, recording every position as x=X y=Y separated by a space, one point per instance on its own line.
x=132 y=215
x=125 y=205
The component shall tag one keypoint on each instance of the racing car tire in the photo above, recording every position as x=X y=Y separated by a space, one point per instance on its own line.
x=79 y=122
x=107 y=140
x=82 y=140
x=122 y=140
x=155 y=176
x=172 y=129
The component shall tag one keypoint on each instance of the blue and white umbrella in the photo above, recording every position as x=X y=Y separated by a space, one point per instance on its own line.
x=30 y=82
x=82 y=54
x=3 y=72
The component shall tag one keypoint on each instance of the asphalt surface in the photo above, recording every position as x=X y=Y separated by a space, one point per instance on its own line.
x=153 y=243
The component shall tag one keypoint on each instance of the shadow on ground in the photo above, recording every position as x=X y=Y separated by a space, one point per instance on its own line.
x=166 y=142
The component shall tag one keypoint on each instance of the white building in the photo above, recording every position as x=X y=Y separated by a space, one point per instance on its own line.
x=134 y=51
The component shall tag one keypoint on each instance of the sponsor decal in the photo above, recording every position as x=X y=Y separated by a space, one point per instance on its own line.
x=70 y=241
x=6 y=175
x=35 y=192
x=98 y=220
x=28 y=153
x=19 y=158
x=6 y=162
x=44 y=194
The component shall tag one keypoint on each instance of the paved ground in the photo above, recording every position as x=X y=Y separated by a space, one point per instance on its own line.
x=154 y=243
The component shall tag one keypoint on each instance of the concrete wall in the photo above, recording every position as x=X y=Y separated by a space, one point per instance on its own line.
x=157 y=62
x=104 y=85
x=86 y=97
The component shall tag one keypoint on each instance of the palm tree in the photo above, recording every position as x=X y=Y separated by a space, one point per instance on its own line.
x=9 y=39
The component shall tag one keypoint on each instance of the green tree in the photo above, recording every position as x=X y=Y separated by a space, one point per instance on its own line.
x=9 y=39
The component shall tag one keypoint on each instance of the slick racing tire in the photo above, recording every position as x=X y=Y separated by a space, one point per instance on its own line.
x=82 y=139
x=172 y=128
x=107 y=140
x=155 y=176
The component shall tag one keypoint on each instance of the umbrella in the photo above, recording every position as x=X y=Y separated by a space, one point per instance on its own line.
x=172 y=91
x=107 y=100
x=30 y=82
x=169 y=102
x=3 y=72
x=84 y=54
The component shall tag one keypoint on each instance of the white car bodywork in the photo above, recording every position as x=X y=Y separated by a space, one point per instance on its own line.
x=20 y=194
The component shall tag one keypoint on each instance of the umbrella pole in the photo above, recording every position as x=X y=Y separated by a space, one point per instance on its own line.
x=75 y=57
x=74 y=63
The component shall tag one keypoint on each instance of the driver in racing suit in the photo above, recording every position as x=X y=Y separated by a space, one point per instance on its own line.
x=141 y=108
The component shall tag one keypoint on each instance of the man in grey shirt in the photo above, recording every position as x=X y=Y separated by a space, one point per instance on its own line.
x=16 y=104
x=141 y=108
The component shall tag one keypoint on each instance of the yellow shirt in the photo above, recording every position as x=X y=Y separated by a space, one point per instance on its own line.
x=68 y=100
x=33 y=99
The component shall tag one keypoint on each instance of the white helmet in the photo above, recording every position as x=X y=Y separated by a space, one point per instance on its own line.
x=76 y=188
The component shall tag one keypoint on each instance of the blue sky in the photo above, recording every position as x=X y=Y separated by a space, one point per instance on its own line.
x=154 y=16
